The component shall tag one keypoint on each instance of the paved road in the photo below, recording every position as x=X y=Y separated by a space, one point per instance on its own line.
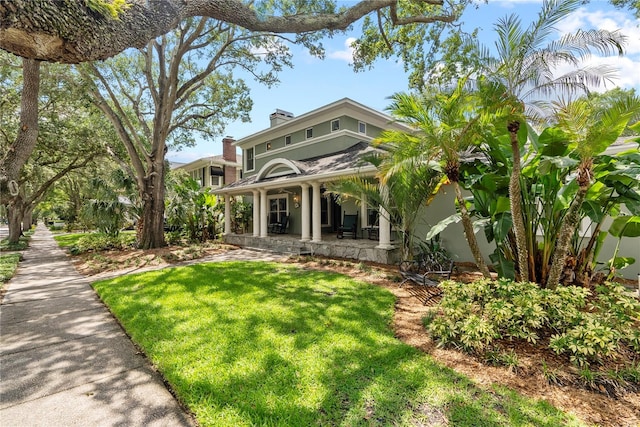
x=64 y=360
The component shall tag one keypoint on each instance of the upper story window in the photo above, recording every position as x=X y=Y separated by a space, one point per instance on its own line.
x=362 y=127
x=249 y=157
x=287 y=140
x=309 y=133
x=215 y=181
x=335 y=125
x=268 y=146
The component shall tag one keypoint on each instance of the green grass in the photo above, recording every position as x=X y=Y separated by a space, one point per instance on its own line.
x=22 y=244
x=8 y=266
x=68 y=240
x=265 y=344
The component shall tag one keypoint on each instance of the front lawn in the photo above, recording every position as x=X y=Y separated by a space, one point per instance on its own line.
x=248 y=343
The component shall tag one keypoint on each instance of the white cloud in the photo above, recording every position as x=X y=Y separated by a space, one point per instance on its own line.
x=611 y=20
x=627 y=75
x=628 y=66
x=346 y=54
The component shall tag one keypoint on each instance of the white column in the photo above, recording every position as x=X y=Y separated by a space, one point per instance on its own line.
x=227 y=214
x=384 y=231
x=256 y=213
x=264 y=214
x=316 y=219
x=363 y=210
x=306 y=210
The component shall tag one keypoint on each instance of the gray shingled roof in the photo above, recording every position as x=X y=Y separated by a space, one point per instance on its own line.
x=348 y=159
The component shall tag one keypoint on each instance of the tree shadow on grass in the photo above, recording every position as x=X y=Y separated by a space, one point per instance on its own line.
x=273 y=344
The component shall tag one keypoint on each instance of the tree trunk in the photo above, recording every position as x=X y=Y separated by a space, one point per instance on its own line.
x=15 y=215
x=515 y=200
x=569 y=225
x=24 y=144
x=27 y=217
x=468 y=231
x=152 y=232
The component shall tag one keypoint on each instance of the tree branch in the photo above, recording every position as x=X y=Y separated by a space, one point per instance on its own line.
x=67 y=31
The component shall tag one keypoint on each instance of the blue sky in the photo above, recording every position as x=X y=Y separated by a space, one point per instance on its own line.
x=313 y=83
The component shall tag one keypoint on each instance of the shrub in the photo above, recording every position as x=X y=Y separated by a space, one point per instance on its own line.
x=472 y=316
x=101 y=242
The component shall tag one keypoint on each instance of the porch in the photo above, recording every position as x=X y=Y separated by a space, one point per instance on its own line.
x=361 y=249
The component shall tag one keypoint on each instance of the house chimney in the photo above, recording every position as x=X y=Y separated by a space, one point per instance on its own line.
x=280 y=116
x=229 y=154
x=228 y=150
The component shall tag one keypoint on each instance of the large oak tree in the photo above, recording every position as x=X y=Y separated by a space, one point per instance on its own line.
x=72 y=32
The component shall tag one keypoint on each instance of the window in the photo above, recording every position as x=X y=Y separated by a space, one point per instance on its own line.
x=335 y=125
x=198 y=176
x=277 y=208
x=309 y=133
x=362 y=127
x=215 y=181
x=249 y=157
x=324 y=210
x=287 y=140
x=268 y=146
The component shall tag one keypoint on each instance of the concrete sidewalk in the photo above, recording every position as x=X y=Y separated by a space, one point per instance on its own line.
x=64 y=360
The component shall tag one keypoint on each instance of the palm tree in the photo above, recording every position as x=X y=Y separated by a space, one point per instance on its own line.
x=525 y=66
x=446 y=124
x=590 y=130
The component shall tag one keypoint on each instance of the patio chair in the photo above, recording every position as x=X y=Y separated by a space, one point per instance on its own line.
x=349 y=226
x=280 y=227
x=426 y=273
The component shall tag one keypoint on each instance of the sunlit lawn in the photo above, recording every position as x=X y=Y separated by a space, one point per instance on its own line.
x=265 y=344
x=68 y=240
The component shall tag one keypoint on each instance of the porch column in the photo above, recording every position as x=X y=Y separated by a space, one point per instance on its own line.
x=264 y=214
x=256 y=213
x=363 y=210
x=316 y=219
x=306 y=225
x=227 y=214
x=384 y=229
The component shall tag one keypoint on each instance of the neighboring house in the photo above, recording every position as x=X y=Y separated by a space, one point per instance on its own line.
x=216 y=171
x=287 y=166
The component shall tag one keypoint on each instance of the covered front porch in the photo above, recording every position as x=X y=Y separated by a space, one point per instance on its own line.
x=294 y=194
x=361 y=249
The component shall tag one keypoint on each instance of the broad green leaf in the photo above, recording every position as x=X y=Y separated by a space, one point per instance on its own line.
x=625 y=226
x=503 y=266
x=440 y=226
x=553 y=142
x=593 y=210
x=501 y=226
x=621 y=262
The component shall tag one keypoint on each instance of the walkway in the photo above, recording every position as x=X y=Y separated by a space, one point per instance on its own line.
x=64 y=360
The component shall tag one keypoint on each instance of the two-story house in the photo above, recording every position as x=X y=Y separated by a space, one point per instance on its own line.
x=285 y=171
x=216 y=171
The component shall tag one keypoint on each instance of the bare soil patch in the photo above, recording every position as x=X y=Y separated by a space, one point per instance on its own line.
x=597 y=406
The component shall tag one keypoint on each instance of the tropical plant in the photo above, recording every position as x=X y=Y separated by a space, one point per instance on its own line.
x=448 y=125
x=107 y=210
x=192 y=208
x=400 y=189
x=525 y=66
x=555 y=205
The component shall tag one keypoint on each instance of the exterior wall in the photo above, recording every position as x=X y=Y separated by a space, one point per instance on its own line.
x=452 y=238
x=317 y=146
x=629 y=247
